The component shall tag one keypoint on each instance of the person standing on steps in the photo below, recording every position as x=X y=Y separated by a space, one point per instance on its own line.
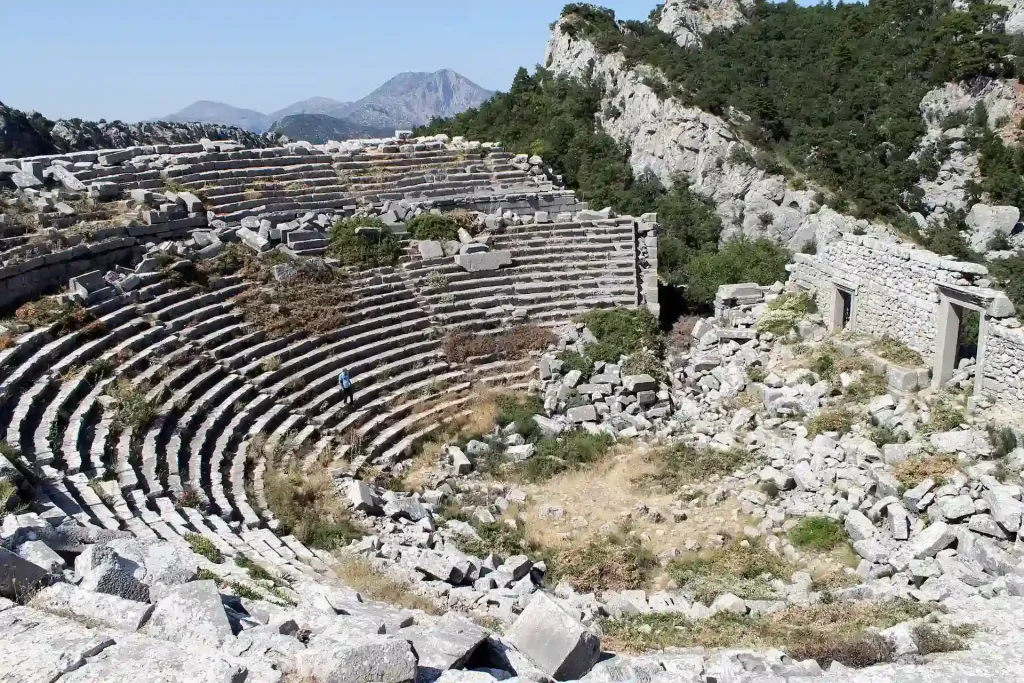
x=346 y=384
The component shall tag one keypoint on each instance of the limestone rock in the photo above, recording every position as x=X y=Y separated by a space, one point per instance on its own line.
x=98 y=608
x=554 y=639
x=191 y=614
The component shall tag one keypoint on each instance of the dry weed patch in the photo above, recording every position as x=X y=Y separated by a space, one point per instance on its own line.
x=308 y=507
x=682 y=464
x=613 y=562
x=826 y=633
x=516 y=343
x=743 y=568
x=358 y=574
x=913 y=471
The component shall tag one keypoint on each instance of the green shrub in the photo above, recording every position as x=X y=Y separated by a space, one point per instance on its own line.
x=307 y=506
x=613 y=562
x=520 y=408
x=499 y=538
x=945 y=415
x=783 y=312
x=881 y=436
x=440 y=227
x=606 y=351
x=203 y=546
x=378 y=247
x=742 y=260
x=756 y=373
x=575 y=361
x=627 y=329
x=742 y=568
x=895 y=351
x=817 y=533
x=569 y=452
x=644 y=363
x=931 y=638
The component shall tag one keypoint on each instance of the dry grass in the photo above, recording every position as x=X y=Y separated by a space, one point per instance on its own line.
x=357 y=573
x=744 y=568
x=47 y=311
x=598 y=498
x=131 y=407
x=6 y=342
x=612 y=562
x=826 y=633
x=307 y=506
x=895 y=351
x=913 y=471
x=682 y=464
x=314 y=301
x=516 y=343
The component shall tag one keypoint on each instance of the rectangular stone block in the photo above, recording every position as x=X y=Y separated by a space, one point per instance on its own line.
x=483 y=261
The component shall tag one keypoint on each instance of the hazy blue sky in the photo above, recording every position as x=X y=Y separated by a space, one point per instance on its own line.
x=138 y=59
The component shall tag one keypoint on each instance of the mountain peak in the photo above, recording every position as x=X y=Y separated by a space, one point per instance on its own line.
x=407 y=99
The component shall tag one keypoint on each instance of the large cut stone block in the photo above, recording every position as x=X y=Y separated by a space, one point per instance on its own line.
x=554 y=639
x=37 y=646
x=483 y=261
x=191 y=614
x=18 y=577
x=375 y=658
x=98 y=608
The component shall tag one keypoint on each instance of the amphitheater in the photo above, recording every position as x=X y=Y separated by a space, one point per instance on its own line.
x=224 y=382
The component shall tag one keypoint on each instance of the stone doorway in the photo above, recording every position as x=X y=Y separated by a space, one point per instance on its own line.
x=960 y=334
x=842 y=308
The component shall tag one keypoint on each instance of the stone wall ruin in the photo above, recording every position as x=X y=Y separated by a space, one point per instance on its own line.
x=917 y=297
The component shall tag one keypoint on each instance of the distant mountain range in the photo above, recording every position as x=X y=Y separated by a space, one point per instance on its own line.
x=407 y=100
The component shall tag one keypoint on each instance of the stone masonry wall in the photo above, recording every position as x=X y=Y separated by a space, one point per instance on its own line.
x=894 y=286
x=33 y=277
x=1003 y=370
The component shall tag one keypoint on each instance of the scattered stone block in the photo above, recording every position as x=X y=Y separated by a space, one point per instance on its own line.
x=99 y=608
x=18 y=576
x=376 y=658
x=553 y=638
x=191 y=614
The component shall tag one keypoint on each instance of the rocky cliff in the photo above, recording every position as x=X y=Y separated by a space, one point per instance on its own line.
x=668 y=138
x=32 y=134
x=688 y=21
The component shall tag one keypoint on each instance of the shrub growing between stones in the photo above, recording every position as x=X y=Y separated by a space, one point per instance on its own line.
x=613 y=562
x=826 y=633
x=761 y=261
x=817 y=533
x=379 y=247
x=741 y=568
x=895 y=351
x=520 y=408
x=440 y=227
x=203 y=546
x=131 y=407
x=622 y=331
x=307 y=506
x=837 y=420
x=783 y=312
x=516 y=343
x=913 y=471
x=575 y=361
x=931 y=638
x=1003 y=441
x=569 y=452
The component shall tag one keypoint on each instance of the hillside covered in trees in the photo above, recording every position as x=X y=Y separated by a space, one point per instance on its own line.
x=830 y=94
